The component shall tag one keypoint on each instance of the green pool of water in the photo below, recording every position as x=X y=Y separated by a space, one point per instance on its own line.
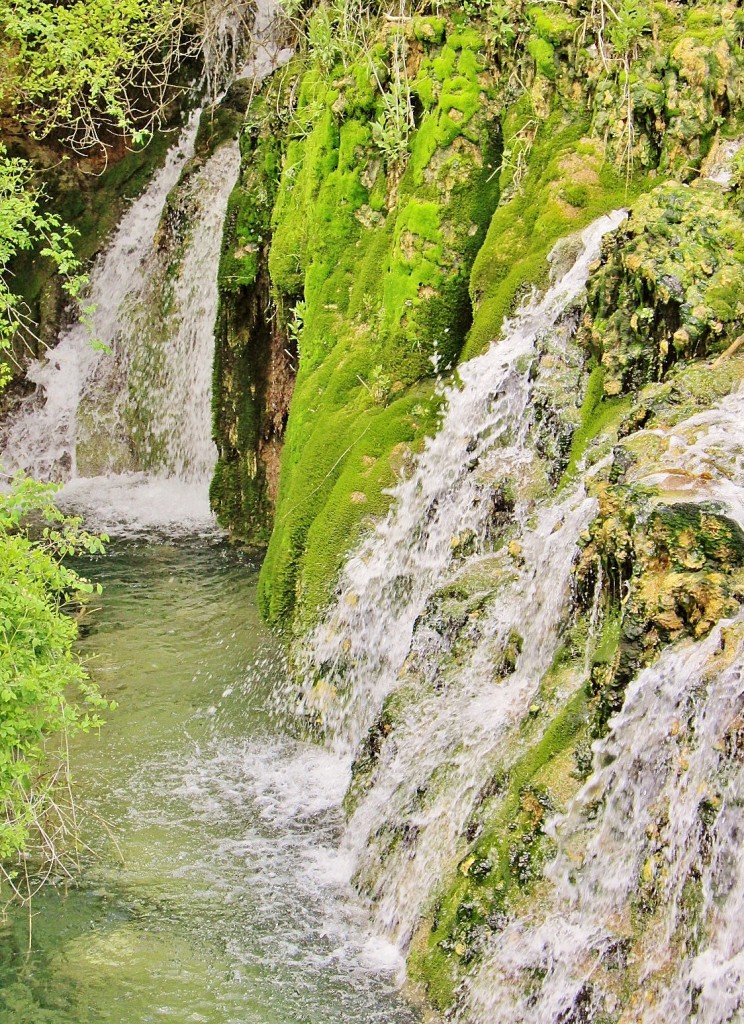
x=229 y=901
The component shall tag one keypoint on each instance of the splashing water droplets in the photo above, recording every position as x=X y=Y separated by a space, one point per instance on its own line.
x=381 y=638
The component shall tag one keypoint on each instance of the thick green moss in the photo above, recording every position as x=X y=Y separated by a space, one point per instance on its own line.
x=378 y=264
x=597 y=415
x=562 y=167
x=382 y=266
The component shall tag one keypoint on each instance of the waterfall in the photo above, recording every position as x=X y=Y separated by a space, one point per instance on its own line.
x=378 y=638
x=669 y=781
x=170 y=377
x=446 y=503
x=657 y=827
x=41 y=437
x=448 y=736
x=447 y=619
x=125 y=423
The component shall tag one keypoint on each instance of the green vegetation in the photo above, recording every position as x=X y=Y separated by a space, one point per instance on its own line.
x=24 y=226
x=426 y=166
x=368 y=261
x=90 y=70
x=45 y=693
x=83 y=72
x=247 y=345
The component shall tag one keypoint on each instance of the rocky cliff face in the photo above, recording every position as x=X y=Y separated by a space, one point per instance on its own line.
x=409 y=184
x=404 y=181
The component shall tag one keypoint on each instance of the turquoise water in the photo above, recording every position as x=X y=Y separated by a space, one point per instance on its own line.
x=224 y=898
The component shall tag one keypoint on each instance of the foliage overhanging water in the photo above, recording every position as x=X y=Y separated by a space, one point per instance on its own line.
x=232 y=903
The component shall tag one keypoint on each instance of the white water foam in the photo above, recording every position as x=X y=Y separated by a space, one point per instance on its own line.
x=671 y=751
x=404 y=833
x=297 y=790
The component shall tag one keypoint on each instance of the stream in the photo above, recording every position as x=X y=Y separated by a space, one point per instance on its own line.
x=229 y=901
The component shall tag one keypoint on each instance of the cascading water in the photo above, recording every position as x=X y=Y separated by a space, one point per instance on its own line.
x=447 y=500
x=267 y=52
x=98 y=418
x=425 y=687
x=404 y=831
x=447 y=742
x=669 y=783
x=170 y=364
x=41 y=437
x=648 y=888
x=449 y=617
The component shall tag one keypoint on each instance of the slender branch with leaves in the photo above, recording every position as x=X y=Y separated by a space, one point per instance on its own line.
x=46 y=695
x=26 y=225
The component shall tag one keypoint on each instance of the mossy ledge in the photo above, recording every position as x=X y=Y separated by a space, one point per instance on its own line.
x=392 y=246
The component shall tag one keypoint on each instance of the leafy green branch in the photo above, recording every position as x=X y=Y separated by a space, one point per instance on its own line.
x=46 y=695
x=90 y=70
x=26 y=225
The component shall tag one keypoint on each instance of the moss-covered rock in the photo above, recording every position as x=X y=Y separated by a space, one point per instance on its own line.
x=255 y=357
x=669 y=570
x=370 y=260
x=527 y=122
x=428 y=167
x=669 y=286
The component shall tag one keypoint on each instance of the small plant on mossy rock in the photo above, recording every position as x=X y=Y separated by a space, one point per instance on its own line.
x=297 y=322
x=584 y=760
x=323 y=38
x=379 y=385
x=391 y=131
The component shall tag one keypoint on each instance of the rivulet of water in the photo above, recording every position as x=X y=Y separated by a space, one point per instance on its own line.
x=648 y=862
x=406 y=832
x=41 y=437
x=170 y=353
